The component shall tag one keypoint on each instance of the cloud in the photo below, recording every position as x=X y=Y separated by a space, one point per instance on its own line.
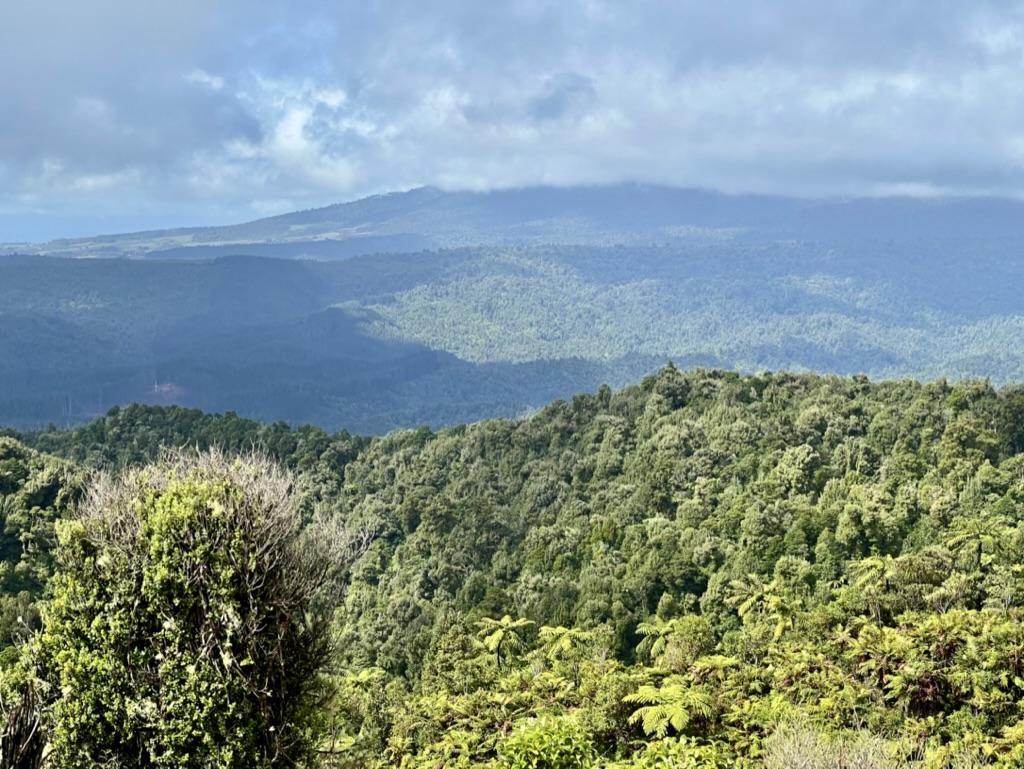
x=225 y=109
x=204 y=78
x=563 y=94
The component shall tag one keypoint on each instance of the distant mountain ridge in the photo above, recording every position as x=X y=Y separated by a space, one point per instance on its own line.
x=428 y=218
x=442 y=307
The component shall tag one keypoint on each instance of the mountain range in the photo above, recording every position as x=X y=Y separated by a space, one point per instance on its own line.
x=442 y=307
x=430 y=218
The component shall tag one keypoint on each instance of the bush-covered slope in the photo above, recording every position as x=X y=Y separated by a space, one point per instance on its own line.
x=669 y=573
x=749 y=550
x=599 y=509
x=446 y=337
x=35 y=491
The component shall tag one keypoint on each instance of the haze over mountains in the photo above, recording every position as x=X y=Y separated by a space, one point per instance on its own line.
x=429 y=218
x=442 y=307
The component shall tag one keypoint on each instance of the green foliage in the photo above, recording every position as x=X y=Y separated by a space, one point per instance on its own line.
x=456 y=335
x=180 y=631
x=660 y=576
x=35 y=492
x=502 y=637
x=799 y=746
x=773 y=547
x=682 y=753
x=672 y=706
x=548 y=743
x=676 y=643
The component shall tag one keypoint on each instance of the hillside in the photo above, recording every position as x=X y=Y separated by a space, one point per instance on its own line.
x=668 y=574
x=35 y=491
x=430 y=218
x=371 y=343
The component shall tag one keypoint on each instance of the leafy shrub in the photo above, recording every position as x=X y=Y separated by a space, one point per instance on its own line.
x=682 y=753
x=800 y=747
x=548 y=743
x=181 y=631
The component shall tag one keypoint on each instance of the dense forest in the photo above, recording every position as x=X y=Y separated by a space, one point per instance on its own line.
x=707 y=569
x=383 y=341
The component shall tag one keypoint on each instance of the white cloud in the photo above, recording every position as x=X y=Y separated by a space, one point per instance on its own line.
x=248 y=108
x=204 y=78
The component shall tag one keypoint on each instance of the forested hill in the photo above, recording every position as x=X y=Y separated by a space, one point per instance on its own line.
x=668 y=572
x=437 y=307
x=372 y=343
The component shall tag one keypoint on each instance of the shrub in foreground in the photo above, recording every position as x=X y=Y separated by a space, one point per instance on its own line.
x=184 y=629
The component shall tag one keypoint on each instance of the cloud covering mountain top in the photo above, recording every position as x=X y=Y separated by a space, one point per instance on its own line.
x=119 y=115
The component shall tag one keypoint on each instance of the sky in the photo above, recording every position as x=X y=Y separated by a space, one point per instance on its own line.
x=128 y=114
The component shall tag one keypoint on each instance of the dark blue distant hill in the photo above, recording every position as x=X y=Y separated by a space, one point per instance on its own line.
x=628 y=213
x=441 y=307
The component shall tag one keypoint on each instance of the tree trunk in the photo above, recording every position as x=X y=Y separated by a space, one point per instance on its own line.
x=22 y=743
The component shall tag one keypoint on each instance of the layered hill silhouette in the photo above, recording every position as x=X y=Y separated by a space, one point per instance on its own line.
x=428 y=218
x=444 y=307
